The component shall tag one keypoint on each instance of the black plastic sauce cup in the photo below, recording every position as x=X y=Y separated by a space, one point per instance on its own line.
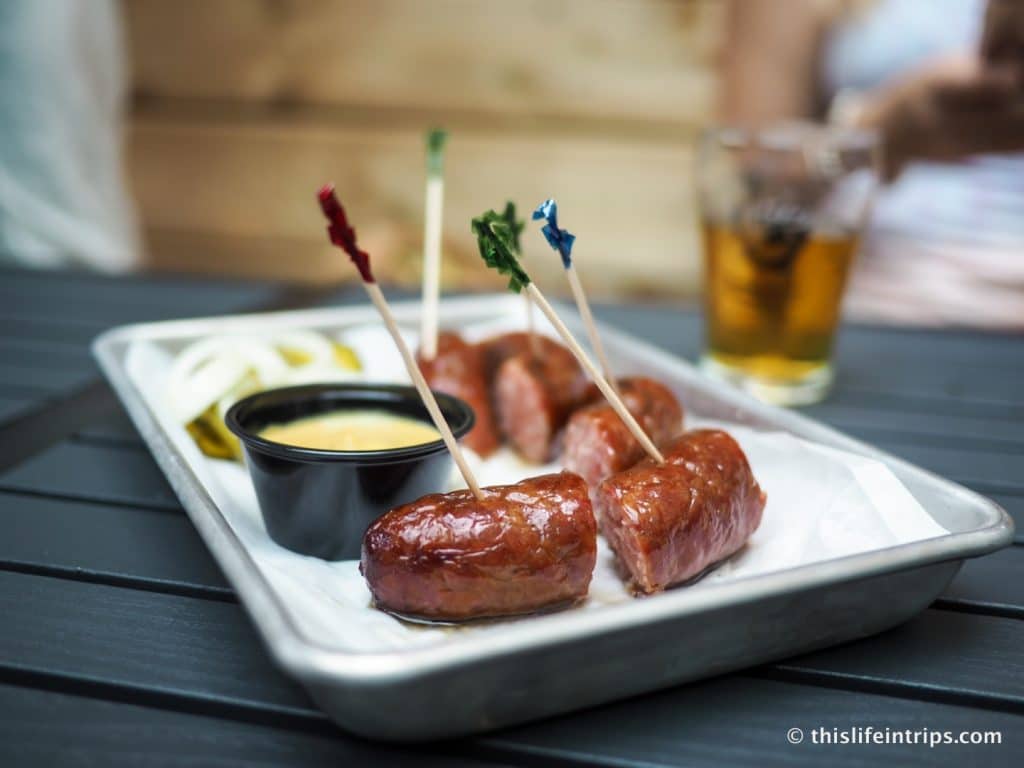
x=320 y=503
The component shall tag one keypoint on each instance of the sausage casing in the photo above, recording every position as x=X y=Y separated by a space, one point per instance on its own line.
x=598 y=443
x=668 y=523
x=452 y=557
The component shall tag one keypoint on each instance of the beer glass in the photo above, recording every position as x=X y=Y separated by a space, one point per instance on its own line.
x=782 y=210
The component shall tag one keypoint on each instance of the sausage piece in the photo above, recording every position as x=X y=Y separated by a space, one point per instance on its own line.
x=598 y=443
x=668 y=523
x=533 y=394
x=497 y=349
x=458 y=369
x=452 y=557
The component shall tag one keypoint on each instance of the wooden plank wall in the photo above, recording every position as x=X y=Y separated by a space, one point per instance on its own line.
x=242 y=108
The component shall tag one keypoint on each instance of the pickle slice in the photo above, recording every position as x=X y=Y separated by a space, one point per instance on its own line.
x=212 y=435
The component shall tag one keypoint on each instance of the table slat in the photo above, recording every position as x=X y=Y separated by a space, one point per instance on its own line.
x=939 y=379
x=206 y=650
x=117 y=428
x=48 y=319
x=955 y=655
x=169 y=645
x=984 y=470
x=47 y=357
x=99 y=473
x=742 y=722
x=47 y=381
x=66 y=329
x=151 y=549
x=11 y=407
x=89 y=296
x=887 y=369
x=897 y=427
x=990 y=584
x=734 y=721
x=41 y=727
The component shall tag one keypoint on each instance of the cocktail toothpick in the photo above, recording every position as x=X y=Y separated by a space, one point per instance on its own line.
x=561 y=240
x=516 y=228
x=432 y=216
x=344 y=236
x=496 y=248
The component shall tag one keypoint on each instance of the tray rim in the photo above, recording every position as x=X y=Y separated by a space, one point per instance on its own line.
x=315 y=663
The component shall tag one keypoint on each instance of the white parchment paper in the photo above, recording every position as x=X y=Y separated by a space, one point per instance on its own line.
x=823 y=503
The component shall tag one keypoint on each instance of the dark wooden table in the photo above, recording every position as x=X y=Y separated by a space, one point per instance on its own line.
x=122 y=644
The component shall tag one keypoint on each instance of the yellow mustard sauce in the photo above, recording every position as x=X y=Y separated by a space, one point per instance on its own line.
x=351 y=430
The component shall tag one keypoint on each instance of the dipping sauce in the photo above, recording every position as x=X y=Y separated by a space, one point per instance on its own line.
x=352 y=430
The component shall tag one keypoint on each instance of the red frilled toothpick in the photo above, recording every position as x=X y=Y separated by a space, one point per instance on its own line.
x=344 y=236
x=341 y=234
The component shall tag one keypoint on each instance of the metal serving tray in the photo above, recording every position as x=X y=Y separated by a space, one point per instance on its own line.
x=565 y=661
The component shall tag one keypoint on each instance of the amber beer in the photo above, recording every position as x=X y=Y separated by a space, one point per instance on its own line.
x=782 y=207
x=773 y=299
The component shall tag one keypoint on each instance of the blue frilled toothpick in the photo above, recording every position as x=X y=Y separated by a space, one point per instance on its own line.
x=561 y=240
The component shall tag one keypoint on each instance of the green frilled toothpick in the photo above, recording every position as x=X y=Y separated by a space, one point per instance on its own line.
x=432 y=216
x=510 y=228
x=496 y=242
x=515 y=226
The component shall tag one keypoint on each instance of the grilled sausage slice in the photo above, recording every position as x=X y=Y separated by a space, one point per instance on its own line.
x=498 y=349
x=533 y=393
x=597 y=442
x=668 y=523
x=458 y=369
x=452 y=557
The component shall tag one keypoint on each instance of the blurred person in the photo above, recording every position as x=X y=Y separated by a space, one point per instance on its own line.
x=62 y=195
x=942 y=82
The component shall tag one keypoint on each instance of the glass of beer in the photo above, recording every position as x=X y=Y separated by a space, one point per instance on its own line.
x=782 y=210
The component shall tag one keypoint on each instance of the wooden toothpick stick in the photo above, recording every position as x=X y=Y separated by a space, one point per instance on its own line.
x=343 y=236
x=494 y=242
x=588 y=322
x=602 y=383
x=377 y=297
x=562 y=241
x=432 y=218
x=531 y=326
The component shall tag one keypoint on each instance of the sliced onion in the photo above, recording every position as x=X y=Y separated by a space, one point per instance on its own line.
x=218 y=370
x=261 y=356
x=190 y=394
x=319 y=374
x=207 y=370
